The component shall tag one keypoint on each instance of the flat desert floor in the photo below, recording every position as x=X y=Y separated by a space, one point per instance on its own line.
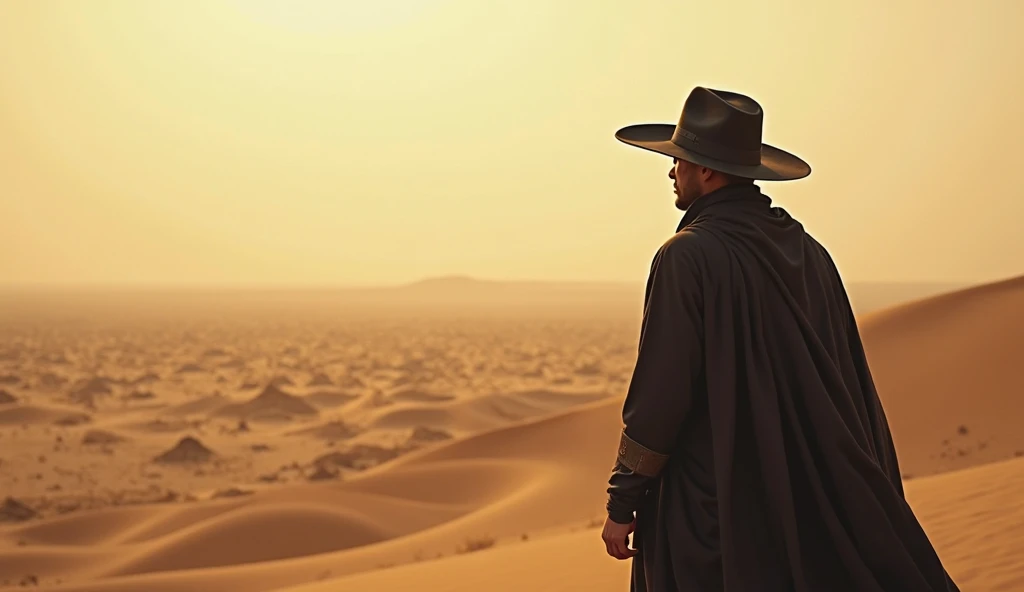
x=170 y=447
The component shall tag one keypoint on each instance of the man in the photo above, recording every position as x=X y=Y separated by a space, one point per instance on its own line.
x=755 y=454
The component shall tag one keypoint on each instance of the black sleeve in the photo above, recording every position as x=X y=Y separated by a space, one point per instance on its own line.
x=669 y=361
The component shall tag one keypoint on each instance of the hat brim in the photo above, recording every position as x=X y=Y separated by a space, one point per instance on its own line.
x=776 y=164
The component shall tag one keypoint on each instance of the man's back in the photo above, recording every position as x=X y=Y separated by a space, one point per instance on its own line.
x=783 y=475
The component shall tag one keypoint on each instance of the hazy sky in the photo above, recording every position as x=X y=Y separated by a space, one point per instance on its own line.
x=345 y=142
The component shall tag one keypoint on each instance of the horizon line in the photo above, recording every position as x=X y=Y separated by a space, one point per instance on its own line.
x=453 y=278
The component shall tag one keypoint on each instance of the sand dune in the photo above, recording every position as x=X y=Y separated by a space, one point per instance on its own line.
x=491 y=487
x=329 y=399
x=272 y=532
x=83 y=528
x=478 y=413
x=966 y=513
x=949 y=372
x=510 y=482
x=271 y=403
x=984 y=499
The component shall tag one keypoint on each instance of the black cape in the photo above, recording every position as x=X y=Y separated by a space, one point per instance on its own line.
x=751 y=377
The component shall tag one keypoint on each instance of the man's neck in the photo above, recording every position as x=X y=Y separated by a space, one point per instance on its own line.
x=717 y=184
x=726 y=188
x=726 y=192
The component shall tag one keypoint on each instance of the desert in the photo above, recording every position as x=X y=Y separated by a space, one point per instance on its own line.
x=342 y=295
x=189 y=443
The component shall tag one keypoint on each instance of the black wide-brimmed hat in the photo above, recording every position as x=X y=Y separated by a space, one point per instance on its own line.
x=720 y=130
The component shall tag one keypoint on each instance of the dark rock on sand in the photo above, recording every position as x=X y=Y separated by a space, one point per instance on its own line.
x=101 y=437
x=323 y=473
x=13 y=510
x=358 y=457
x=187 y=450
x=231 y=492
x=320 y=379
x=424 y=434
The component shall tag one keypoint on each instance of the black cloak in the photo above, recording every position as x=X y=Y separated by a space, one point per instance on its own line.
x=755 y=453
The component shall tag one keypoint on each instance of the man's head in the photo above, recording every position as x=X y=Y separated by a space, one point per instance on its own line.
x=692 y=181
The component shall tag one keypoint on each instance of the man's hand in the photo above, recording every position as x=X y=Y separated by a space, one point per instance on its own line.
x=616 y=538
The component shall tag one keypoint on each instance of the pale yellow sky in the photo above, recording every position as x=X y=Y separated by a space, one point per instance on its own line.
x=342 y=142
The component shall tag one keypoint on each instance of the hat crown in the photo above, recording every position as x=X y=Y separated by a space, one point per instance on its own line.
x=716 y=122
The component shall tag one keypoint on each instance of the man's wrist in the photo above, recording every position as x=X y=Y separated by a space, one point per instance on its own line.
x=620 y=516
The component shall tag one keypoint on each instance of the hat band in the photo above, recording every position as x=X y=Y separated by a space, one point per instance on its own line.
x=690 y=141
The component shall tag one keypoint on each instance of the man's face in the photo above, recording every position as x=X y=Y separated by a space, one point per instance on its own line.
x=686 y=181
